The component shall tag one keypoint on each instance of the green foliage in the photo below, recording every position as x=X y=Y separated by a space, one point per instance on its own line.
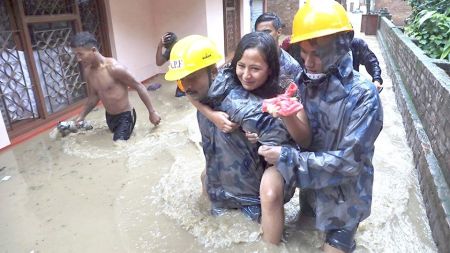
x=441 y=6
x=430 y=26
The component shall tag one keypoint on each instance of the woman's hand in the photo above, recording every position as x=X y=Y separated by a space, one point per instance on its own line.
x=270 y=153
x=252 y=137
x=222 y=121
x=283 y=105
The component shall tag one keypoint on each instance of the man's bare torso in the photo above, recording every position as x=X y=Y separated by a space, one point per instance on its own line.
x=112 y=93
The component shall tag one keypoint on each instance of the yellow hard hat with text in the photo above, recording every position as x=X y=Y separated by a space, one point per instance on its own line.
x=317 y=18
x=190 y=54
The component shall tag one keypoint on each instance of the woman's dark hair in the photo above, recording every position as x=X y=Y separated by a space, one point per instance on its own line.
x=266 y=45
x=84 y=39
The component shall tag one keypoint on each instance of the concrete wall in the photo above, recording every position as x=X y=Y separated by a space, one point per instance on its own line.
x=400 y=10
x=423 y=96
x=181 y=17
x=137 y=26
x=134 y=35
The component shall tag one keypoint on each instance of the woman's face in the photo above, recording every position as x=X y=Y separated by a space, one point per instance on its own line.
x=252 y=69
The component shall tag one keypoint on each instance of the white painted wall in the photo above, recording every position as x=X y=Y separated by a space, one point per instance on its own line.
x=4 y=138
x=134 y=36
x=246 y=17
x=137 y=26
x=179 y=16
x=214 y=24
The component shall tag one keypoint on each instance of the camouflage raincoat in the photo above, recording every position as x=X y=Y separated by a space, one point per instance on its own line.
x=289 y=67
x=233 y=166
x=335 y=174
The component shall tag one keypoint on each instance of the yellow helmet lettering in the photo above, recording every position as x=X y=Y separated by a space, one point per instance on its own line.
x=190 y=54
x=176 y=64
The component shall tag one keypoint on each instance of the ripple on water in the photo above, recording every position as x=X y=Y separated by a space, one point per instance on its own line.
x=167 y=214
x=177 y=196
x=180 y=198
x=392 y=225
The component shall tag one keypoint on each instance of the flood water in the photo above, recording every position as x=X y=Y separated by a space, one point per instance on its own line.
x=85 y=193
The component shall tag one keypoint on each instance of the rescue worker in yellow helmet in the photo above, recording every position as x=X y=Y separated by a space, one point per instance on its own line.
x=234 y=169
x=190 y=55
x=335 y=174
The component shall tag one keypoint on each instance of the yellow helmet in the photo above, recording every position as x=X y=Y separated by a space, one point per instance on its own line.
x=319 y=18
x=190 y=54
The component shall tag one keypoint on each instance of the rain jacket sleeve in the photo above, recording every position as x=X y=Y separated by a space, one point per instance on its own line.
x=245 y=109
x=332 y=168
x=363 y=55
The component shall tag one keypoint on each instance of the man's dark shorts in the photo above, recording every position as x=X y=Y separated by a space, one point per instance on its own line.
x=121 y=124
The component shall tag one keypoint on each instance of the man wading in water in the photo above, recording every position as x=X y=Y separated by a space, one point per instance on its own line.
x=108 y=81
x=335 y=173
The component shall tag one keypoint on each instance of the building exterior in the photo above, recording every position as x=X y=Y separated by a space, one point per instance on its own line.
x=286 y=10
x=400 y=10
x=39 y=77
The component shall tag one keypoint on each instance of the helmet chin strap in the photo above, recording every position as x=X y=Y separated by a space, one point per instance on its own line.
x=210 y=77
x=315 y=76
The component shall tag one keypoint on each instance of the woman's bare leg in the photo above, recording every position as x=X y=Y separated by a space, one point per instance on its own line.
x=272 y=220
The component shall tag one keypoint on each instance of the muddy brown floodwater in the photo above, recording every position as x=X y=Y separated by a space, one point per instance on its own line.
x=85 y=193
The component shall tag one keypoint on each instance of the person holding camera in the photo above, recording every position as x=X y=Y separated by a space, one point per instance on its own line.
x=167 y=41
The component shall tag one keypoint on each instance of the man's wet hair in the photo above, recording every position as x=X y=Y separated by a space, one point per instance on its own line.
x=84 y=39
x=269 y=16
x=266 y=45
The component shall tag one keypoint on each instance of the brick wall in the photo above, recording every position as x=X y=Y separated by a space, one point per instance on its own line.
x=400 y=10
x=423 y=97
x=428 y=85
x=286 y=10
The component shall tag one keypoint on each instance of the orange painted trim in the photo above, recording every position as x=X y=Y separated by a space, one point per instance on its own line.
x=30 y=134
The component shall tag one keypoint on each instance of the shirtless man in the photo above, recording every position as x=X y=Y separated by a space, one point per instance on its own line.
x=108 y=81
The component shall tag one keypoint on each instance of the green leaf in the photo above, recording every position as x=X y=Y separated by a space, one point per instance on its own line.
x=446 y=51
x=425 y=17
